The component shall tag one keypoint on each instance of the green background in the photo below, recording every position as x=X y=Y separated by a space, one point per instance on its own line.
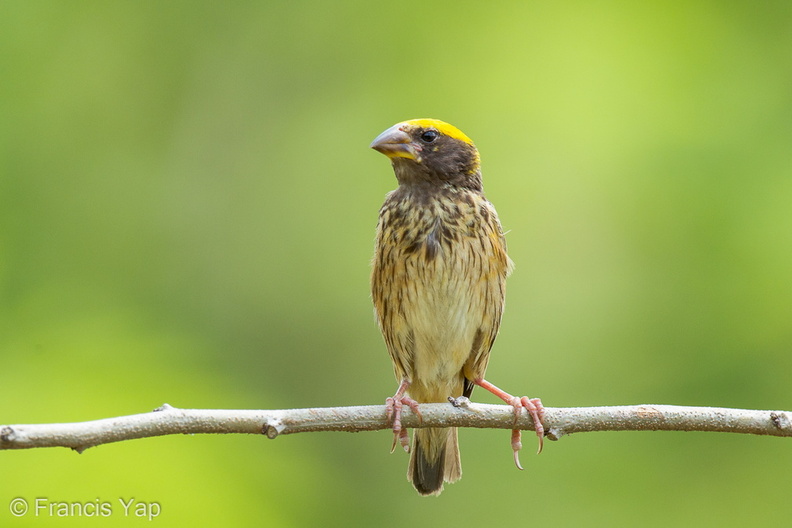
x=187 y=211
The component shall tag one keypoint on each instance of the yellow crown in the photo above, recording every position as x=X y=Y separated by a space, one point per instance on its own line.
x=442 y=127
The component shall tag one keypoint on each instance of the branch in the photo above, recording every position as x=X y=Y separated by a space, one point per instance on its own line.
x=558 y=422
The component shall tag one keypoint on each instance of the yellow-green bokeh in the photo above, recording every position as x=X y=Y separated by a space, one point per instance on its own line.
x=187 y=206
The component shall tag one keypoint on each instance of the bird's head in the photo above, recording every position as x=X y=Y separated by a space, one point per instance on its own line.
x=430 y=151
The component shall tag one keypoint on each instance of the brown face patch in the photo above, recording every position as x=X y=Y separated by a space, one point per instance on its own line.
x=441 y=160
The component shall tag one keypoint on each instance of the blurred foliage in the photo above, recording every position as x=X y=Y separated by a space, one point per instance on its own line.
x=187 y=210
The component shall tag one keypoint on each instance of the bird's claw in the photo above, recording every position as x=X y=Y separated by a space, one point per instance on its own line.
x=403 y=438
x=516 y=446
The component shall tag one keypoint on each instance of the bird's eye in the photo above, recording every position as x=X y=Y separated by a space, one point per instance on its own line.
x=430 y=135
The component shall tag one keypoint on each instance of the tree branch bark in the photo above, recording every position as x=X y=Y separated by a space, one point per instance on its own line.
x=558 y=421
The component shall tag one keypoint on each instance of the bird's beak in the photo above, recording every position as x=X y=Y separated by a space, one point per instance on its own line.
x=396 y=143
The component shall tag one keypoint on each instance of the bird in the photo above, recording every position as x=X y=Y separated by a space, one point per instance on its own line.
x=438 y=279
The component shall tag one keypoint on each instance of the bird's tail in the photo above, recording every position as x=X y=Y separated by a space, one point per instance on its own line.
x=434 y=459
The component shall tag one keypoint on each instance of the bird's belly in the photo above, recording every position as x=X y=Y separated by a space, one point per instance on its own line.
x=445 y=316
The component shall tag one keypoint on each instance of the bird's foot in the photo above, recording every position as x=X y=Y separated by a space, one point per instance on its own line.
x=393 y=411
x=536 y=410
x=532 y=405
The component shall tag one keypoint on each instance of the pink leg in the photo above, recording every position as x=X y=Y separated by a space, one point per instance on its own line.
x=393 y=410
x=532 y=405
